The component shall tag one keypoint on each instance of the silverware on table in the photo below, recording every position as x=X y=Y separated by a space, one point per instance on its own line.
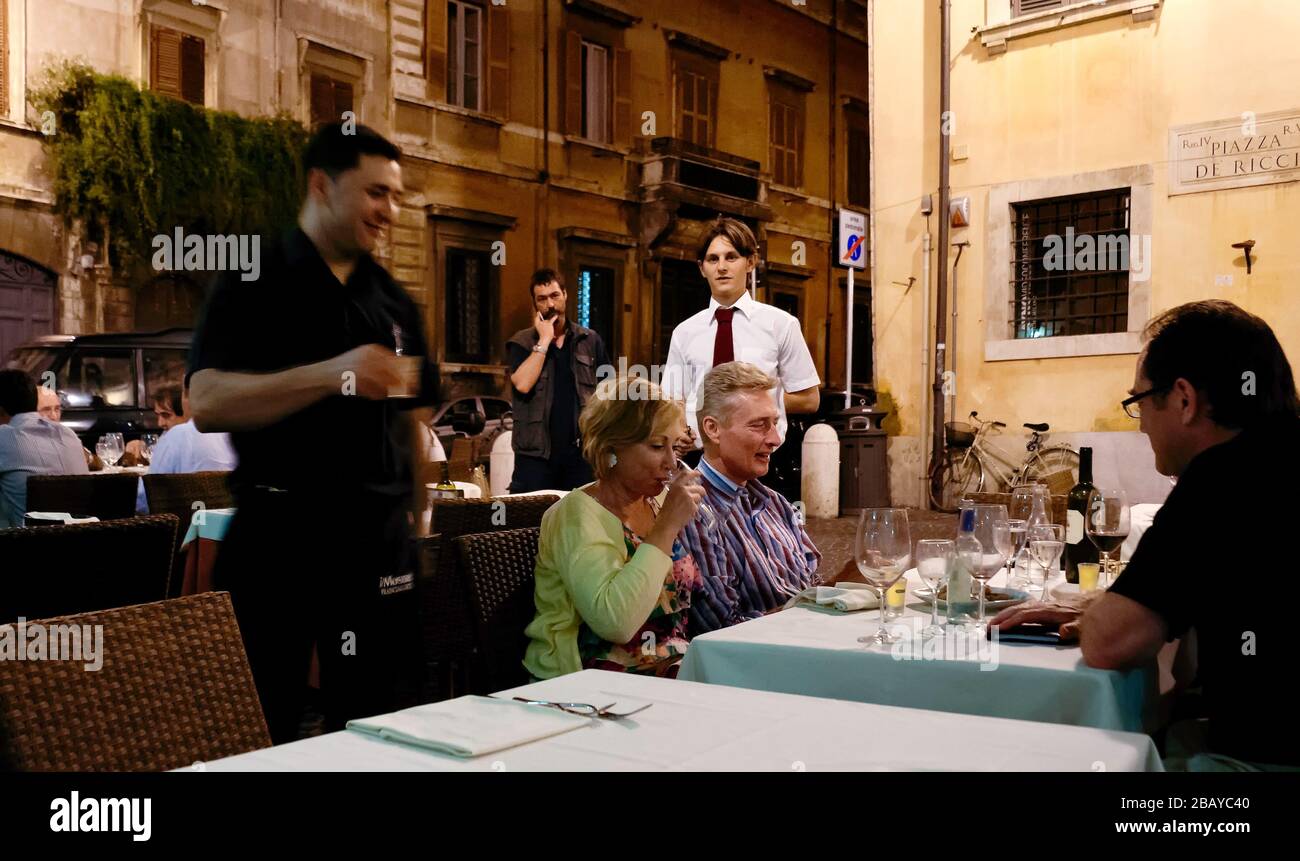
x=585 y=709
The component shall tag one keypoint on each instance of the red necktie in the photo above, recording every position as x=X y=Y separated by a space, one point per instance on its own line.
x=723 y=351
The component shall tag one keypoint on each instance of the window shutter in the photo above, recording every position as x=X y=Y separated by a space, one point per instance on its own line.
x=322 y=100
x=435 y=48
x=1024 y=7
x=498 y=61
x=165 y=62
x=192 y=77
x=572 y=84
x=622 y=74
x=342 y=98
x=4 y=58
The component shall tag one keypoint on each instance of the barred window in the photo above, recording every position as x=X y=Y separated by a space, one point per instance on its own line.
x=1070 y=265
x=469 y=302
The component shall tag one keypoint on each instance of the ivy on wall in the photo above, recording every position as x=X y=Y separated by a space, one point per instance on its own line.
x=143 y=164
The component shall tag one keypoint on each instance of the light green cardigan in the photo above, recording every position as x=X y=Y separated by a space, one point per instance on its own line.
x=584 y=574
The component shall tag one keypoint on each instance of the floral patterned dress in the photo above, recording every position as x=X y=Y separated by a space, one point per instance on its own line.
x=659 y=644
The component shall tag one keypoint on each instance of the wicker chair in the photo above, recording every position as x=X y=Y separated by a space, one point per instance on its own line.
x=108 y=497
x=1056 y=511
x=446 y=623
x=174 y=689
x=177 y=494
x=81 y=567
x=498 y=568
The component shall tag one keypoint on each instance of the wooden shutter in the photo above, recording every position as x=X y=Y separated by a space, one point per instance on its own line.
x=498 y=61
x=192 y=70
x=165 y=62
x=572 y=73
x=435 y=48
x=322 y=99
x=622 y=74
x=342 y=98
x=4 y=58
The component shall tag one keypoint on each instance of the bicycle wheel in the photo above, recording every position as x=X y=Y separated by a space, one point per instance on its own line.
x=1057 y=466
x=960 y=474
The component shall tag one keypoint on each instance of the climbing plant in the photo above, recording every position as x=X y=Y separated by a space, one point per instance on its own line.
x=141 y=163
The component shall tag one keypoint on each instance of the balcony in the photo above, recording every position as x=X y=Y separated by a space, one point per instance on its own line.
x=680 y=179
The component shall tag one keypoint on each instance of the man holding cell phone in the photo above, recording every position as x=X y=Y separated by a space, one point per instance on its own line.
x=553 y=367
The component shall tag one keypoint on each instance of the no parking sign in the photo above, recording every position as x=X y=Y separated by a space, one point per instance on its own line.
x=853 y=239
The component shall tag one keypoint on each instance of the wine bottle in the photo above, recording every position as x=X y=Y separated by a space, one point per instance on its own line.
x=1078 y=547
x=445 y=488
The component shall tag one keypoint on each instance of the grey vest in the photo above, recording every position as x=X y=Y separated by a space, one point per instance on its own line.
x=532 y=412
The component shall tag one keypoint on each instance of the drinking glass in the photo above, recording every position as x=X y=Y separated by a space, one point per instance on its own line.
x=994 y=534
x=934 y=558
x=108 y=449
x=881 y=550
x=149 y=440
x=703 y=512
x=1046 y=542
x=1108 y=525
x=118 y=446
x=101 y=451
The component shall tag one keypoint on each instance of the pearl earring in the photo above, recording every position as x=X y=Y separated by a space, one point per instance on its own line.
x=613 y=459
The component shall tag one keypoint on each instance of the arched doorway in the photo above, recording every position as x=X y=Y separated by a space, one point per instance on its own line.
x=26 y=302
x=167 y=301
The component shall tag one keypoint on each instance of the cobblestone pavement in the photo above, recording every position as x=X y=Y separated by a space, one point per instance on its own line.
x=834 y=538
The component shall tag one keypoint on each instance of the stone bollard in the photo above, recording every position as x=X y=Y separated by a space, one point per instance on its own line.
x=502 y=463
x=821 y=471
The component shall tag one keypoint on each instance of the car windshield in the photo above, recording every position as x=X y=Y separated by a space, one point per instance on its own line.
x=98 y=378
x=33 y=360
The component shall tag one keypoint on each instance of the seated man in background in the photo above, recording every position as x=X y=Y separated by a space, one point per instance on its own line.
x=1214 y=393
x=759 y=555
x=183 y=447
x=30 y=444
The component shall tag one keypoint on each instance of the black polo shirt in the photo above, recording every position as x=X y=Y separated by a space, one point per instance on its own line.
x=1213 y=559
x=297 y=313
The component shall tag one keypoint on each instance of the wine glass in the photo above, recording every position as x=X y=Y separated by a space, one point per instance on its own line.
x=882 y=548
x=1108 y=524
x=101 y=452
x=1046 y=542
x=149 y=440
x=934 y=558
x=703 y=511
x=1018 y=529
x=108 y=449
x=118 y=444
x=994 y=534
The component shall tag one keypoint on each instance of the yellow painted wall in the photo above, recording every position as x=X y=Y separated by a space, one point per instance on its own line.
x=1095 y=96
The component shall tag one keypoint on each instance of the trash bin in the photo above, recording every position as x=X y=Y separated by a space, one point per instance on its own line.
x=864 y=467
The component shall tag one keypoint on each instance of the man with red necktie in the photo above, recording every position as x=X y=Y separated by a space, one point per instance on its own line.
x=737 y=327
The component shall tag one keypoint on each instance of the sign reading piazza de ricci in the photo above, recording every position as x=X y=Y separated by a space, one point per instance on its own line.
x=1242 y=151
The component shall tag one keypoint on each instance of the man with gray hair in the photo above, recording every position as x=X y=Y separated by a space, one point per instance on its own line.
x=759 y=555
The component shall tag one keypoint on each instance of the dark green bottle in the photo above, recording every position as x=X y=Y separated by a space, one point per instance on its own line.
x=1078 y=546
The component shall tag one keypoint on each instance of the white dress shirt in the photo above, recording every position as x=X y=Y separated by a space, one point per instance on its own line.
x=762 y=335
x=33 y=445
x=185 y=448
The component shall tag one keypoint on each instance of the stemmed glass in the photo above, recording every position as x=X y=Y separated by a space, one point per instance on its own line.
x=934 y=558
x=1108 y=524
x=148 y=441
x=110 y=448
x=1046 y=543
x=1022 y=505
x=994 y=535
x=703 y=511
x=882 y=548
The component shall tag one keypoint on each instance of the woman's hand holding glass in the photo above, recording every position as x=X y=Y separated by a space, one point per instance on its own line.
x=708 y=520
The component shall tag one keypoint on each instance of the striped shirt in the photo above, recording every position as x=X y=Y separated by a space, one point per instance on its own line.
x=758 y=557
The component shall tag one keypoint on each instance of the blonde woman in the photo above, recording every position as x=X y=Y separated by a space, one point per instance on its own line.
x=613 y=583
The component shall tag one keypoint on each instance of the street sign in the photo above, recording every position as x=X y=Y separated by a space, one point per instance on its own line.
x=853 y=245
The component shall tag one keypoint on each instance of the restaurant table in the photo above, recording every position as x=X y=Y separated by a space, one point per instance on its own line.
x=698 y=727
x=816 y=652
x=200 y=548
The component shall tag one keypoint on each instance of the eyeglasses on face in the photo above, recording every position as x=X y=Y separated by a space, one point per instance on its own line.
x=1132 y=405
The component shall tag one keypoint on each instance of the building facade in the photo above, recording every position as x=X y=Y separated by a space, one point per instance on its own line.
x=1165 y=130
x=597 y=138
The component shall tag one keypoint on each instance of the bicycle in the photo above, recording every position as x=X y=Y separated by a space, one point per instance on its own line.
x=970 y=459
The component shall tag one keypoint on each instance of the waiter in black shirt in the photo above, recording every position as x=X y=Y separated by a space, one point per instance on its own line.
x=1215 y=395
x=319 y=372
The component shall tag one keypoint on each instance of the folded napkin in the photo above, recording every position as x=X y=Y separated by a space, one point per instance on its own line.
x=844 y=597
x=469 y=726
x=60 y=517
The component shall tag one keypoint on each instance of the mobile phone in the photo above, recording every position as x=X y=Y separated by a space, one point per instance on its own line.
x=1030 y=632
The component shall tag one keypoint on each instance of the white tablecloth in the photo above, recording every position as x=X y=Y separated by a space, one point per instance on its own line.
x=695 y=727
x=815 y=653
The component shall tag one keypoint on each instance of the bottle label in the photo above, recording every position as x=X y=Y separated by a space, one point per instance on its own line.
x=1073 y=526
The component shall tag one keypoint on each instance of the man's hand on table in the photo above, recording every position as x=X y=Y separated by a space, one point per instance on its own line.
x=1065 y=613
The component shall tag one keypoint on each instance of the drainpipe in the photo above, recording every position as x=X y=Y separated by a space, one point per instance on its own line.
x=832 y=185
x=925 y=355
x=945 y=193
x=952 y=338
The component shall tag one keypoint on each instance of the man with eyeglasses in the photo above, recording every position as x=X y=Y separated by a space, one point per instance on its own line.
x=1215 y=395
